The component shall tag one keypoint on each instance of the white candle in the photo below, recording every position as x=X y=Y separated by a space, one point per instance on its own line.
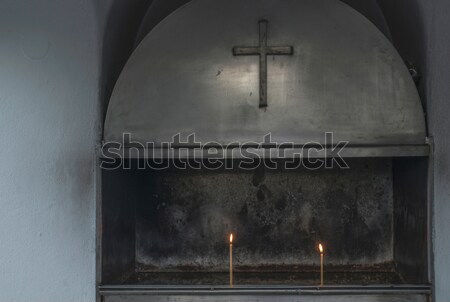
x=321 y=250
x=231 y=260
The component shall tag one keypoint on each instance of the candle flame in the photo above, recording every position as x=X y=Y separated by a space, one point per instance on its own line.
x=320 y=248
x=231 y=238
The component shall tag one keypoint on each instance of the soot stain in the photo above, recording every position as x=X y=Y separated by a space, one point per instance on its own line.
x=258 y=175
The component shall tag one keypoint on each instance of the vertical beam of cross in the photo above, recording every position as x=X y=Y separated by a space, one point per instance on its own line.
x=263 y=51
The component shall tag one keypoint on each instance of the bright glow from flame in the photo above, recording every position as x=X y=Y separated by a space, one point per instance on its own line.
x=320 y=248
x=231 y=238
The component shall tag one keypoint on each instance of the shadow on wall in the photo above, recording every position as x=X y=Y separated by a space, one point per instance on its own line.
x=372 y=11
x=122 y=23
x=162 y=8
x=155 y=14
x=406 y=22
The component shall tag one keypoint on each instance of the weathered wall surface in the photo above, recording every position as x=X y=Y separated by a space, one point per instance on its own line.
x=439 y=123
x=58 y=62
x=48 y=115
x=421 y=33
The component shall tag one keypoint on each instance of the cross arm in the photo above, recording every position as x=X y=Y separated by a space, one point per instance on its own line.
x=246 y=51
x=280 y=50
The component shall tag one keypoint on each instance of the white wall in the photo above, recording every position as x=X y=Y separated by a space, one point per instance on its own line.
x=439 y=120
x=49 y=73
x=421 y=32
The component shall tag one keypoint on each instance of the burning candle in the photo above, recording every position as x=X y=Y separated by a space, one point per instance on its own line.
x=321 y=250
x=231 y=260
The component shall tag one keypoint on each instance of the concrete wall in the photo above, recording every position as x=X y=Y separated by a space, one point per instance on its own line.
x=439 y=124
x=49 y=58
x=58 y=63
x=421 y=32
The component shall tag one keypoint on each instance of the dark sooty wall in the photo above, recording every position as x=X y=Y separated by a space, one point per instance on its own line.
x=183 y=217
